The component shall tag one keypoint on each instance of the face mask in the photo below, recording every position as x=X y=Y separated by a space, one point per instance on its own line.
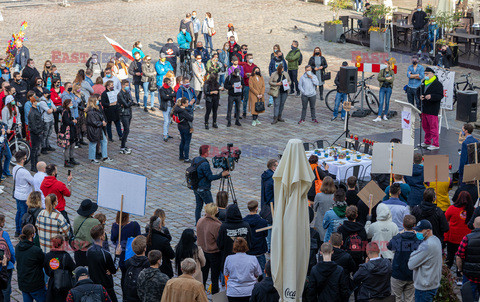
x=420 y=236
x=39 y=84
x=110 y=88
x=250 y=61
x=414 y=62
x=427 y=78
x=275 y=51
x=419 y=9
x=94 y=61
x=310 y=73
x=70 y=89
x=55 y=72
x=226 y=48
x=292 y=47
x=184 y=31
x=48 y=66
x=162 y=60
x=71 y=106
x=78 y=90
x=199 y=60
x=232 y=42
x=280 y=58
x=244 y=52
x=17 y=80
x=14 y=94
x=98 y=102
x=57 y=85
x=127 y=88
x=317 y=53
x=257 y=72
x=108 y=75
x=13 y=103
x=140 y=46
x=194 y=16
x=32 y=66
x=186 y=85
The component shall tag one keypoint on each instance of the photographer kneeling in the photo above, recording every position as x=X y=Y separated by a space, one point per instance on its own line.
x=205 y=178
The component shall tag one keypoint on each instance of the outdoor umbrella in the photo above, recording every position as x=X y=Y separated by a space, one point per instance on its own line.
x=291 y=231
x=445 y=6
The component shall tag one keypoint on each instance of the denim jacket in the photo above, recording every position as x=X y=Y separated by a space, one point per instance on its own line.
x=415 y=83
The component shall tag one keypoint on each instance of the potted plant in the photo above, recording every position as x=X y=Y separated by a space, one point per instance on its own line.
x=379 y=33
x=333 y=30
x=447 y=21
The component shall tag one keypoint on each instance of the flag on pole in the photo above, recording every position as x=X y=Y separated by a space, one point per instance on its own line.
x=118 y=48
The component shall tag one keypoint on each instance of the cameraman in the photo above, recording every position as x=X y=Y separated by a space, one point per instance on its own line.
x=205 y=178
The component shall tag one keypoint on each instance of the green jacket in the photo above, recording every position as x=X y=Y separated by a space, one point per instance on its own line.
x=292 y=59
x=83 y=240
x=211 y=68
x=382 y=77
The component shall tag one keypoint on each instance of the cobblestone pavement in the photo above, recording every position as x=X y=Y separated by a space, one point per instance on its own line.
x=260 y=24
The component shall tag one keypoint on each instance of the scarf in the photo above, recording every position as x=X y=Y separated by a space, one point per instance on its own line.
x=232 y=46
x=340 y=210
x=165 y=86
x=430 y=81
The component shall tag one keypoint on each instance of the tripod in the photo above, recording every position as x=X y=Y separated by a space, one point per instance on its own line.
x=346 y=131
x=230 y=189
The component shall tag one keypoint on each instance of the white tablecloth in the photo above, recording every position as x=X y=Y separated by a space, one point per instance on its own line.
x=340 y=170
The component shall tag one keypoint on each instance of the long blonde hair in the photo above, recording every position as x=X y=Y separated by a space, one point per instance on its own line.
x=50 y=202
x=92 y=102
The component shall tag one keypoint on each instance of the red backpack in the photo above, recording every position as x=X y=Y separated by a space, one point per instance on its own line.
x=4 y=246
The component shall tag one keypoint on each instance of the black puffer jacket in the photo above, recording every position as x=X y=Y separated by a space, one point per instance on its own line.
x=373 y=279
x=432 y=213
x=125 y=103
x=95 y=119
x=67 y=121
x=184 y=116
x=327 y=282
x=265 y=291
x=35 y=121
x=233 y=227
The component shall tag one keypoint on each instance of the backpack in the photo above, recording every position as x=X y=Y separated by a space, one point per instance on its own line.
x=28 y=218
x=353 y=243
x=191 y=174
x=300 y=60
x=130 y=282
x=4 y=246
x=93 y=295
x=318 y=182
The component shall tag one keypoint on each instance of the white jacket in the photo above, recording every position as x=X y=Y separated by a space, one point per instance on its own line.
x=383 y=230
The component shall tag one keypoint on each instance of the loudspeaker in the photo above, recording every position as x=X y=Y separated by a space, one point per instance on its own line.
x=467 y=106
x=348 y=79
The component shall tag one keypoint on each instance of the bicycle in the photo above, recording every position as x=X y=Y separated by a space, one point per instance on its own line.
x=468 y=85
x=186 y=65
x=17 y=143
x=370 y=98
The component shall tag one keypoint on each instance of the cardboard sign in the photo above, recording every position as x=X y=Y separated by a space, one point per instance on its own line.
x=471 y=172
x=471 y=152
x=285 y=84
x=441 y=162
x=112 y=184
x=375 y=190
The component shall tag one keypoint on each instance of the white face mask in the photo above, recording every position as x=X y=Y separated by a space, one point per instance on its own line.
x=140 y=45
x=250 y=61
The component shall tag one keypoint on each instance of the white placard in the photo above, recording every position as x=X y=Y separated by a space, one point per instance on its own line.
x=447 y=78
x=112 y=184
x=402 y=159
x=285 y=84
x=408 y=132
x=112 y=97
x=406 y=118
x=237 y=87
x=381 y=157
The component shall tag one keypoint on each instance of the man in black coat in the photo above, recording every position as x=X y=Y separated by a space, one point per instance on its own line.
x=124 y=99
x=429 y=211
x=85 y=287
x=234 y=84
x=30 y=74
x=419 y=22
x=327 y=280
x=171 y=51
x=264 y=291
x=431 y=97
x=36 y=125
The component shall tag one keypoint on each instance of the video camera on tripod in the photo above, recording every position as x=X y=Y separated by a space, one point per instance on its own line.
x=227 y=159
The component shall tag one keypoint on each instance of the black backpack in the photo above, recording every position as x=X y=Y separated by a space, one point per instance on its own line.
x=28 y=218
x=300 y=60
x=130 y=283
x=94 y=294
x=191 y=174
x=353 y=243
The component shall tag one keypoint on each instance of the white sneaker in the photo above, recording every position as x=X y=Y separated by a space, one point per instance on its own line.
x=432 y=147
x=385 y=118
x=378 y=119
x=424 y=145
x=94 y=161
x=254 y=123
x=107 y=160
x=258 y=122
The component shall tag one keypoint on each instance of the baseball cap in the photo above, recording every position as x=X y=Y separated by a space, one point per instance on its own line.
x=79 y=272
x=423 y=225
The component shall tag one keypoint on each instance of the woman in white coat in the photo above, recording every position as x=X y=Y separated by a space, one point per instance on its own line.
x=198 y=80
x=208 y=30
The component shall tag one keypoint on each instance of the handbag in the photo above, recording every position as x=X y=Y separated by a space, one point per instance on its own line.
x=211 y=32
x=63 y=139
x=152 y=84
x=274 y=91
x=259 y=106
x=326 y=76
x=62 y=278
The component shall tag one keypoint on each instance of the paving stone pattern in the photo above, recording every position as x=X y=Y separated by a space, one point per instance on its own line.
x=260 y=24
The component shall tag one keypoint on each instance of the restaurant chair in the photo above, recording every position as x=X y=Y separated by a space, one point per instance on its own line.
x=366 y=23
x=364 y=179
x=306 y=146
x=459 y=30
x=321 y=144
x=344 y=20
x=356 y=171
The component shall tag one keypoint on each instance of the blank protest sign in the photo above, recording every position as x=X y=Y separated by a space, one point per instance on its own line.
x=382 y=152
x=402 y=159
x=112 y=184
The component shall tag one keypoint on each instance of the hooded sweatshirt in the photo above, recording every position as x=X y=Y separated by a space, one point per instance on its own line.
x=383 y=230
x=398 y=209
x=133 y=265
x=150 y=285
x=29 y=266
x=259 y=242
x=350 y=231
x=234 y=226
x=403 y=244
x=426 y=263
x=50 y=185
x=416 y=185
x=327 y=282
x=265 y=291
x=432 y=213
x=373 y=279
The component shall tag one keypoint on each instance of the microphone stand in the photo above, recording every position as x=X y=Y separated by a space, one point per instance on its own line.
x=421 y=120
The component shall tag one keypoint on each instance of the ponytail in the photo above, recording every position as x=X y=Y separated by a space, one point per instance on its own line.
x=27 y=232
x=50 y=202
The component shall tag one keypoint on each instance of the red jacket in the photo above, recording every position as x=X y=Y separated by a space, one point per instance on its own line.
x=246 y=69
x=56 y=98
x=2 y=103
x=458 y=227
x=50 y=185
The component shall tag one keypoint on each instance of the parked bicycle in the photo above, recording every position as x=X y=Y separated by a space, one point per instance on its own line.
x=186 y=65
x=467 y=84
x=17 y=143
x=370 y=98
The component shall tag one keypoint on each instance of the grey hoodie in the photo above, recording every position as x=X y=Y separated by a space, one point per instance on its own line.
x=426 y=263
x=383 y=230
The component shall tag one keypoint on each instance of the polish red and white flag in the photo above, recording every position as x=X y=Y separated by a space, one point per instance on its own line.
x=118 y=48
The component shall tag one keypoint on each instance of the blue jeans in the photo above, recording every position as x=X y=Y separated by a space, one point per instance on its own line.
x=474 y=286
x=137 y=92
x=166 y=121
x=358 y=4
x=269 y=238
x=146 y=93
x=38 y=295
x=208 y=40
x=221 y=79
x=202 y=197
x=270 y=100
x=262 y=261
x=246 y=90
x=92 y=148
x=109 y=129
x=184 y=147
x=21 y=210
x=425 y=295
x=6 y=164
x=384 y=96
x=413 y=96
x=339 y=98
